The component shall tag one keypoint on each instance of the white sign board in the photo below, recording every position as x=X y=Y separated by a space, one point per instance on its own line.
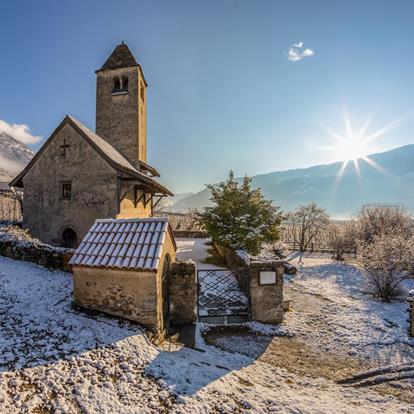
x=267 y=278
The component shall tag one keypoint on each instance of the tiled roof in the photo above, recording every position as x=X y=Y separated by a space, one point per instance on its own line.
x=108 y=150
x=123 y=244
x=121 y=57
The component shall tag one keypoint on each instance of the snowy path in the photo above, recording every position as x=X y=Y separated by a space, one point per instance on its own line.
x=58 y=359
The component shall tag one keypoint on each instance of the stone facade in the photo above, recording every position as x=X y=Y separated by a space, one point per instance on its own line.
x=183 y=293
x=121 y=116
x=45 y=212
x=130 y=294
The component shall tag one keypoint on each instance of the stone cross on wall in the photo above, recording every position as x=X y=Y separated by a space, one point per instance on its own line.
x=63 y=148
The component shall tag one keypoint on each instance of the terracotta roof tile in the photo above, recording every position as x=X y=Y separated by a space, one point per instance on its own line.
x=124 y=244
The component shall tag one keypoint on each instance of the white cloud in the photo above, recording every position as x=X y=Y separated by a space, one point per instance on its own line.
x=298 y=52
x=20 y=132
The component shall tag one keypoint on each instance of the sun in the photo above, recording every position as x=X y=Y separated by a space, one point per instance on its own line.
x=353 y=146
x=351 y=149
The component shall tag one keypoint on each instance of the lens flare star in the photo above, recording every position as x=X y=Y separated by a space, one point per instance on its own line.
x=355 y=145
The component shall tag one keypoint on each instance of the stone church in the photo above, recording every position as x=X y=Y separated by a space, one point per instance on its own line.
x=79 y=175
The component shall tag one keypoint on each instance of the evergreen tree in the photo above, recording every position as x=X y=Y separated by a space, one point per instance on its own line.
x=241 y=217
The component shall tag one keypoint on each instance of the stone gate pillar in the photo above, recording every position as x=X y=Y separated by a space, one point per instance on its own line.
x=183 y=293
x=266 y=291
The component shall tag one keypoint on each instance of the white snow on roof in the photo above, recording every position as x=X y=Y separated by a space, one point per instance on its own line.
x=123 y=244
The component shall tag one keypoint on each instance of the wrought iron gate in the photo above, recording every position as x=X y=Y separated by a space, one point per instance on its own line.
x=220 y=293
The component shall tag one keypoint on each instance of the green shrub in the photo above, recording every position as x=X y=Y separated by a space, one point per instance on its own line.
x=241 y=218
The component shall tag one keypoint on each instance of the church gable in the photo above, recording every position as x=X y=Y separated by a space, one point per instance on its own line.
x=69 y=181
x=67 y=153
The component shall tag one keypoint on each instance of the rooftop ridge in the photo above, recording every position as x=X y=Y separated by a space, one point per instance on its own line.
x=131 y=220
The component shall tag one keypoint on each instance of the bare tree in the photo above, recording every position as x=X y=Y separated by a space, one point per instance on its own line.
x=388 y=261
x=342 y=239
x=376 y=220
x=308 y=221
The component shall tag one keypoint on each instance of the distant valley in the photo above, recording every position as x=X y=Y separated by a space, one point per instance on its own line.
x=392 y=183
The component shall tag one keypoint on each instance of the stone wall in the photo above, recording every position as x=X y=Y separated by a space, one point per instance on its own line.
x=121 y=117
x=235 y=261
x=94 y=189
x=266 y=300
x=183 y=293
x=40 y=254
x=130 y=294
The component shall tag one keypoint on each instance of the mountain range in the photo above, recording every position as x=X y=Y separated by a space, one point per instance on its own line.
x=388 y=178
x=13 y=157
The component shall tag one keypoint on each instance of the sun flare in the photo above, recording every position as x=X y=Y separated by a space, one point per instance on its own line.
x=351 y=149
x=354 y=146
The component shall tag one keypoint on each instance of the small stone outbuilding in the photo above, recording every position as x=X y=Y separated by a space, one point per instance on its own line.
x=121 y=268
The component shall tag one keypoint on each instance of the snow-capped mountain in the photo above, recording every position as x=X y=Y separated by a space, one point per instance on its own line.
x=13 y=156
x=390 y=181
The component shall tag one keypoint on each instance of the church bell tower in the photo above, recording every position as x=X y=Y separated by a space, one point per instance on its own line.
x=121 y=105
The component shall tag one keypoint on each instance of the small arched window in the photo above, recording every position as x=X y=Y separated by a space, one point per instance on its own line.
x=70 y=238
x=124 y=83
x=117 y=85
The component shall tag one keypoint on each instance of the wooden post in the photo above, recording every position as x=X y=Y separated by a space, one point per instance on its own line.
x=410 y=300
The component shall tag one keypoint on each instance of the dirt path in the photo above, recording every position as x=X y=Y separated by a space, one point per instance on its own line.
x=338 y=329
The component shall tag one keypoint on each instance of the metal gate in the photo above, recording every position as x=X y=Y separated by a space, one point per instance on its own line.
x=220 y=293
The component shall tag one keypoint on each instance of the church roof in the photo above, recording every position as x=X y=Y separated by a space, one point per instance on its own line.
x=103 y=147
x=133 y=244
x=121 y=57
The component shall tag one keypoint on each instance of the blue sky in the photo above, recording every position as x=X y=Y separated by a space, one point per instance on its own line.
x=222 y=92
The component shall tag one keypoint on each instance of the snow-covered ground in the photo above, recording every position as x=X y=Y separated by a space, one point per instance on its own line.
x=334 y=307
x=59 y=359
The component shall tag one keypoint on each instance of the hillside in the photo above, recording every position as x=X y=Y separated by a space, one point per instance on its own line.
x=393 y=184
x=13 y=157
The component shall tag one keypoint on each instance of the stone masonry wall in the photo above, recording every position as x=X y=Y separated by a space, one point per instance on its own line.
x=121 y=117
x=183 y=293
x=129 y=294
x=40 y=254
x=94 y=189
x=234 y=261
